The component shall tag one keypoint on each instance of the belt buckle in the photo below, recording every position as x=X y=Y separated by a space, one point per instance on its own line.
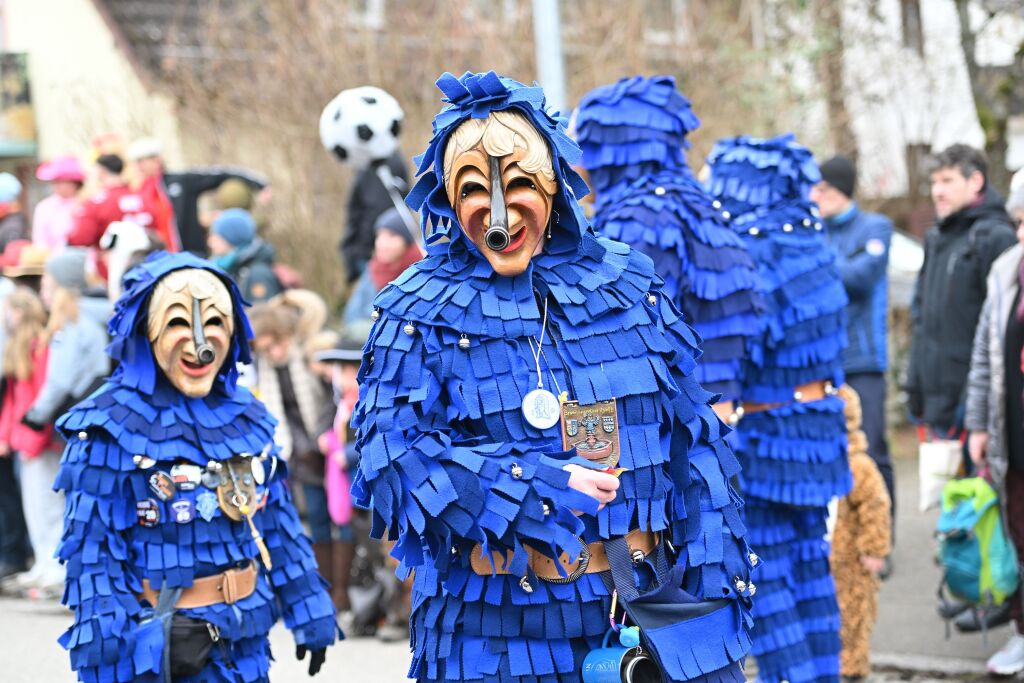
x=229 y=586
x=581 y=567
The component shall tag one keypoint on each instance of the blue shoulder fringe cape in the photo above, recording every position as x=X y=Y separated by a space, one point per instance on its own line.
x=794 y=454
x=440 y=432
x=633 y=134
x=107 y=552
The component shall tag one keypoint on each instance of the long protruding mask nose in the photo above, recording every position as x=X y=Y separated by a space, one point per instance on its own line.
x=497 y=237
x=204 y=350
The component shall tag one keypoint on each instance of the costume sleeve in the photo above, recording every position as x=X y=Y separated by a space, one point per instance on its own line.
x=863 y=270
x=979 y=378
x=702 y=470
x=871 y=500
x=435 y=488
x=106 y=641
x=301 y=592
x=709 y=536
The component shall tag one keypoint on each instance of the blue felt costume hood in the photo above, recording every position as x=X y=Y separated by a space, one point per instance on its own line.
x=476 y=95
x=749 y=173
x=633 y=128
x=129 y=342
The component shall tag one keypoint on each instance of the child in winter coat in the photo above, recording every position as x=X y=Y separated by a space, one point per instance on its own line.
x=860 y=543
x=25 y=369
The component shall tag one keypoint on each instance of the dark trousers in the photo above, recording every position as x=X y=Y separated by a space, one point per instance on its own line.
x=1015 y=530
x=14 y=546
x=870 y=386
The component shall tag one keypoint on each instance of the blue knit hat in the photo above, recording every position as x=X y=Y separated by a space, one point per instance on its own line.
x=236 y=226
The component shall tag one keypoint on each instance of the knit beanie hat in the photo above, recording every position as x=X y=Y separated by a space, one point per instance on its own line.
x=236 y=226
x=394 y=222
x=840 y=173
x=67 y=267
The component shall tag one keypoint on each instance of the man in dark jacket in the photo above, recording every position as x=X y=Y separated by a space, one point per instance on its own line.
x=973 y=229
x=861 y=240
x=370 y=197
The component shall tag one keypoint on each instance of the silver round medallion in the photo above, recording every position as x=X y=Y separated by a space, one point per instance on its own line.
x=541 y=409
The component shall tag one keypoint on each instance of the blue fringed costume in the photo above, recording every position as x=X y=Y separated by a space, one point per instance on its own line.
x=793 y=434
x=448 y=462
x=633 y=137
x=133 y=427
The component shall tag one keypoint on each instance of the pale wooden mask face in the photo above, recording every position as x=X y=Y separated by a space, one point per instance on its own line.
x=501 y=166
x=191 y=349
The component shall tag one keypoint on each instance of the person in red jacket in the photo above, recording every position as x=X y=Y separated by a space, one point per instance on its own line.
x=115 y=201
x=25 y=358
x=145 y=153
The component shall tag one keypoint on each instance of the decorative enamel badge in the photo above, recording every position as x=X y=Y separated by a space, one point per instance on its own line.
x=592 y=430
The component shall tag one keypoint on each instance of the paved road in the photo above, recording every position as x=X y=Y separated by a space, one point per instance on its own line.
x=909 y=632
x=30 y=653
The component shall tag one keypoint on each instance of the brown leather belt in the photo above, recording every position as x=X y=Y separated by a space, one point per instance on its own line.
x=545 y=568
x=227 y=587
x=725 y=410
x=804 y=393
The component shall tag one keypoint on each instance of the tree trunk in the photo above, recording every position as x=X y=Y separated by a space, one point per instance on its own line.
x=992 y=99
x=828 y=24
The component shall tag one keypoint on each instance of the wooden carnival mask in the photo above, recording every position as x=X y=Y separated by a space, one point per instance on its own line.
x=190 y=326
x=499 y=178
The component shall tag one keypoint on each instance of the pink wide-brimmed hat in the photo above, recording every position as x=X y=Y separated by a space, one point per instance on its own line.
x=61 y=168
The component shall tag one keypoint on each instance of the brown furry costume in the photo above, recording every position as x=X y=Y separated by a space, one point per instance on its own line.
x=862 y=529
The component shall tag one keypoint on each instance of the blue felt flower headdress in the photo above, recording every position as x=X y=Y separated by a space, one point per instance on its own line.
x=130 y=344
x=476 y=95
x=633 y=128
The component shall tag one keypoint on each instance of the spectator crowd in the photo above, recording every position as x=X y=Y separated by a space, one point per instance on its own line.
x=63 y=261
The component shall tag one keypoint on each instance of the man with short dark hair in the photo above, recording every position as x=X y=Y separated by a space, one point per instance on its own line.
x=862 y=241
x=972 y=230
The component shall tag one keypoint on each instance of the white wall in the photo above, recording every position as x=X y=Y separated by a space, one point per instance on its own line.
x=897 y=98
x=82 y=85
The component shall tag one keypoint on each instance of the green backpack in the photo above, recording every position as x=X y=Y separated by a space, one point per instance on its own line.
x=978 y=560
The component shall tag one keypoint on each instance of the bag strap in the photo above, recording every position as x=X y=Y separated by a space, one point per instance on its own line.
x=621 y=565
x=163 y=611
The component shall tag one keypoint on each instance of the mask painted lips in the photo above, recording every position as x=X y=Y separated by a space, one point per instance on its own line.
x=194 y=369
x=517 y=241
